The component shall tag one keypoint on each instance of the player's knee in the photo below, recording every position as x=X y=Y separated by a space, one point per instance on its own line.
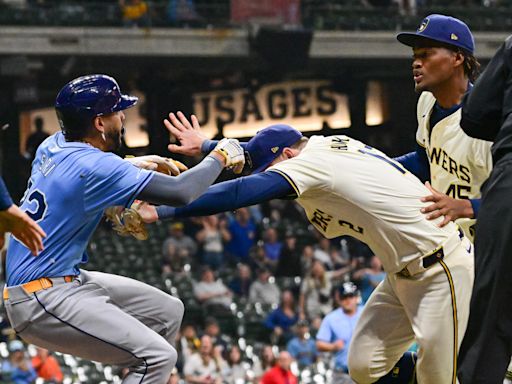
x=358 y=366
x=165 y=357
x=175 y=309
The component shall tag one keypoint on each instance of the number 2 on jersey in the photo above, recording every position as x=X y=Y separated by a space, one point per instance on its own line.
x=35 y=198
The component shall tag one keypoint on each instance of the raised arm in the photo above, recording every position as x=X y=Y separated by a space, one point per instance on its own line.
x=189 y=135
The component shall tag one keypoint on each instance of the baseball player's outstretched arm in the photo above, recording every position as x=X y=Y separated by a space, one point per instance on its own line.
x=228 y=196
x=186 y=187
x=417 y=163
x=14 y=220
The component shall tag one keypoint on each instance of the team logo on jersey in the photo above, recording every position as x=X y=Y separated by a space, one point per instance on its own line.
x=453 y=36
x=274 y=149
x=423 y=25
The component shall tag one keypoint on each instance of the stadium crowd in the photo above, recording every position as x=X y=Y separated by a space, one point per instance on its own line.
x=263 y=265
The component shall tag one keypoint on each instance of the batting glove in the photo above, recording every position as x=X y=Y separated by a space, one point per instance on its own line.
x=231 y=150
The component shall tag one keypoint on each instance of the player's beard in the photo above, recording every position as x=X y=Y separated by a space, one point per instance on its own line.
x=114 y=138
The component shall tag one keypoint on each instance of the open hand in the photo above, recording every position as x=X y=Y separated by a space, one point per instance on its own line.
x=188 y=133
x=444 y=205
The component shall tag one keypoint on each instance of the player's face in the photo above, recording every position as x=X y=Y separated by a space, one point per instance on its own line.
x=114 y=129
x=431 y=67
x=348 y=303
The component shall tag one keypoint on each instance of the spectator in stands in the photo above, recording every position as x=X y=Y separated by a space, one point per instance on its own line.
x=178 y=249
x=302 y=347
x=266 y=360
x=188 y=343
x=18 y=369
x=337 y=328
x=182 y=13
x=212 y=237
x=212 y=329
x=315 y=298
x=322 y=251
x=243 y=235
x=135 y=13
x=272 y=247
x=35 y=139
x=369 y=278
x=241 y=284
x=263 y=290
x=47 y=367
x=236 y=372
x=307 y=257
x=205 y=367
x=212 y=293
x=281 y=372
x=282 y=319
x=289 y=263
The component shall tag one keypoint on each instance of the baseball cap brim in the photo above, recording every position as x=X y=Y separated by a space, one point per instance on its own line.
x=126 y=102
x=261 y=168
x=412 y=39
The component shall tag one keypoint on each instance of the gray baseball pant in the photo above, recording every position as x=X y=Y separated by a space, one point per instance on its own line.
x=102 y=317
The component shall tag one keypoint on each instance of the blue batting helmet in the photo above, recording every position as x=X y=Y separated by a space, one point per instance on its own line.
x=86 y=97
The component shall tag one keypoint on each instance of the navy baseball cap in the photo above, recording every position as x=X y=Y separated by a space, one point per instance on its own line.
x=268 y=144
x=443 y=29
x=347 y=289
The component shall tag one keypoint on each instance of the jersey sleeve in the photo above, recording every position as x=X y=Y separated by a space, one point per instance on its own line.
x=113 y=181
x=483 y=155
x=305 y=172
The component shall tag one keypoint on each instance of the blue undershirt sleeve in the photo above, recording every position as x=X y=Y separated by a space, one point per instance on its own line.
x=417 y=163
x=5 y=198
x=475 y=203
x=233 y=194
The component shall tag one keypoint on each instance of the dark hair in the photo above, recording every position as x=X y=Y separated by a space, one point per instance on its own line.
x=73 y=126
x=471 y=65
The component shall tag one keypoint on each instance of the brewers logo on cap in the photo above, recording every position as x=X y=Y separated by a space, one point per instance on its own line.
x=423 y=25
x=454 y=36
x=274 y=149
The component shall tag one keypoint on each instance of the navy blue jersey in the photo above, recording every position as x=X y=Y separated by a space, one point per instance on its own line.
x=71 y=184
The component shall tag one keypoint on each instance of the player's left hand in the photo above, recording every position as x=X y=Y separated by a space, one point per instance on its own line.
x=188 y=133
x=444 y=205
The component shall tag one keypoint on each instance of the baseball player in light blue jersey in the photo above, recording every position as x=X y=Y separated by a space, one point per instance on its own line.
x=53 y=303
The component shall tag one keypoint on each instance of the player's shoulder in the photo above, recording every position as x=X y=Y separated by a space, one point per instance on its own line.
x=426 y=102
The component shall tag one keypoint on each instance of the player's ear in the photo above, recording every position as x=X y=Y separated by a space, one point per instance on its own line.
x=459 y=58
x=98 y=124
x=288 y=153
